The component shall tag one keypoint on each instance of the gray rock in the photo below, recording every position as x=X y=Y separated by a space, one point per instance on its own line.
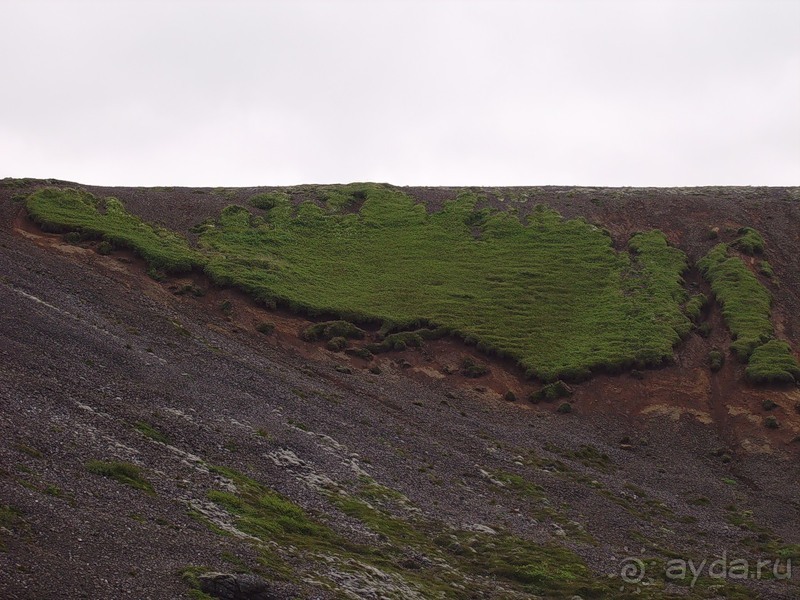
x=227 y=586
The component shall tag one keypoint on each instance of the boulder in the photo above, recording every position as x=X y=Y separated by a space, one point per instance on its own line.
x=228 y=586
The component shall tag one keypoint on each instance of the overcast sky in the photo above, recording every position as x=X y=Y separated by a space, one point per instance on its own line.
x=436 y=92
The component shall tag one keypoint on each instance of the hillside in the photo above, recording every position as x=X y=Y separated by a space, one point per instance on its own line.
x=368 y=391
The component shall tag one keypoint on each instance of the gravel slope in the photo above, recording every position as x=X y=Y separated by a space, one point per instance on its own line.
x=90 y=346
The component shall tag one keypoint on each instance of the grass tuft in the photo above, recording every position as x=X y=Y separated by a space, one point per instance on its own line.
x=694 y=307
x=472 y=368
x=750 y=241
x=332 y=329
x=265 y=327
x=766 y=269
x=149 y=431
x=123 y=472
x=716 y=359
x=336 y=344
x=551 y=391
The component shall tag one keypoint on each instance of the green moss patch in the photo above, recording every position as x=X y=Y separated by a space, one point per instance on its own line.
x=74 y=210
x=750 y=241
x=746 y=307
x=550 y=293
x=746 y=304
x=773 y=363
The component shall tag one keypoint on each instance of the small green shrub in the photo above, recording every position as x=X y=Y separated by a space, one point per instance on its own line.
x=773 y=362
x=362 y=353
x=331 y=329
x=104 y=248
x=226 y=307
x=564 y=408
x=771 y=423
x=202 y=227
x=73 y=237
x=192 y=289
x=156 y=274
x=551 y=391
x=336 y=344
x=265 y=327
x=269 y=200
x=191 y=577
x=472 y=368
x=123 y=472
x=750 y=241
x=53 y=490
x=694 y=307
x=716 y=359
x=29 y=450
x=433 y=334
x=769 y=404
x=766 y=269
x=9 y=515
x=510 y=396
x=398 y=342
x=704 y=329
x=406 y=339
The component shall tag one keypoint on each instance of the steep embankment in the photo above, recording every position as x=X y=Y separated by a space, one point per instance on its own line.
x=265 y=454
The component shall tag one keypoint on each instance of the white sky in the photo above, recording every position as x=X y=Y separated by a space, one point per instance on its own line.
x=436 y=92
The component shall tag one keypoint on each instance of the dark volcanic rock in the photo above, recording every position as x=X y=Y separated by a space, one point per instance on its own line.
x=227 y=586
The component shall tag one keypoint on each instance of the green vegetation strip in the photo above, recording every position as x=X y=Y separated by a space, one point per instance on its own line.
x=73 y=210
x=746 y=307
x=553 y=294
x=456 y=563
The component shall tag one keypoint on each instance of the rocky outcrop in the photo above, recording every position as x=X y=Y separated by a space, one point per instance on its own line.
x=228 y=586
